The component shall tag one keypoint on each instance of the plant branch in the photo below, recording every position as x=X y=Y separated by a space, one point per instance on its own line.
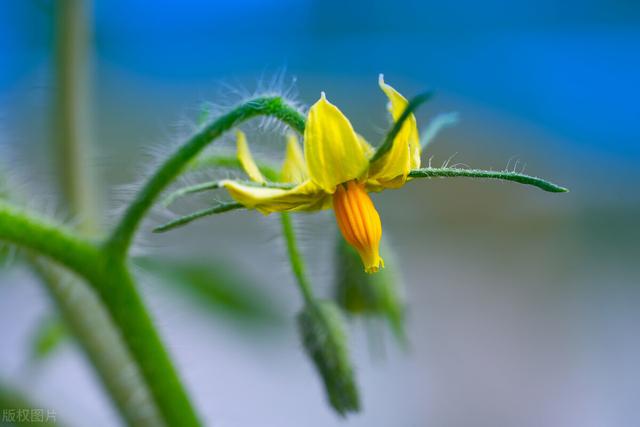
x=47 y=239
x=487 y=174
x=111 y=279
x=121 y=237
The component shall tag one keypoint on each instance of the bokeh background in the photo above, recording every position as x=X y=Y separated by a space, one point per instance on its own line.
x=523 y=306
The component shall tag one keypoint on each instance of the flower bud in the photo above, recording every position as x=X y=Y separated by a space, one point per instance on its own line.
x=322 y=329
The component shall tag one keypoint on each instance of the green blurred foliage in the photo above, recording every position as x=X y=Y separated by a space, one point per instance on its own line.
x=50 y=333
x=362 y=294
x=18 y=410
x=217 y=287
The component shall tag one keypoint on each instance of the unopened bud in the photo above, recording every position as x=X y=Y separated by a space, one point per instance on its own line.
x=322 y=330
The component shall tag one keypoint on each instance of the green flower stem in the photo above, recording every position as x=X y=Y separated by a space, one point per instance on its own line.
x=478 y=173
x=270 y=106
x=297 y=263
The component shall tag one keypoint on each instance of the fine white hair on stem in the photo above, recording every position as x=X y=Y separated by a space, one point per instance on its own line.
x=229 y=97
x=31 y=192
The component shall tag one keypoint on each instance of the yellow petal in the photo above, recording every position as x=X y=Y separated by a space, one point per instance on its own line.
x=246 y=159
x=294 y=169
x=391 y=169
x=332 y=150
x=304 y=197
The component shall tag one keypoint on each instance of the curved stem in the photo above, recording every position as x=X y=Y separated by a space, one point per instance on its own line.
x=295 y=258
x=486 y=174
x=121 y=237
x=47 y=239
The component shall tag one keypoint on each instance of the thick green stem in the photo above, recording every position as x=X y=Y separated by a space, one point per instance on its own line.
x=115 y=287
x=93 y=329
x=478 y=173
x=297 y=263
x=47 y=239
x=271 y=106
x=117 y=290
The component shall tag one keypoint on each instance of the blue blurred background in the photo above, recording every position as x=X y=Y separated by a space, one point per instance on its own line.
x=523 y=305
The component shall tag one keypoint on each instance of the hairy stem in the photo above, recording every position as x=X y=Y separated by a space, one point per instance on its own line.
x=93 y=329
x=485 y=174
x=47 y=239
x=295 y=257
x=117 y=290
x=111 y=279
x=121 y=237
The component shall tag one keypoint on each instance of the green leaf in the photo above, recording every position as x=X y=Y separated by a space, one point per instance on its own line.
x=322 y=329
x=217 y=287
x=51 y=332
x=378 y=294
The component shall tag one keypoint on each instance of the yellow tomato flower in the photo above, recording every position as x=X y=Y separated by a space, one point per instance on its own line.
x=334 y=170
